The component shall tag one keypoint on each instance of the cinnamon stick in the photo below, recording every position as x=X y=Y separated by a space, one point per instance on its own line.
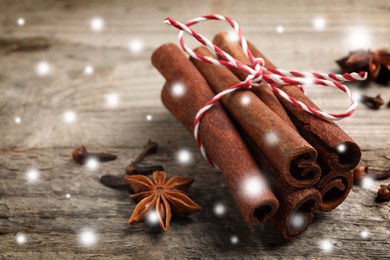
x=265 y=94
x=334 y=146
x=291 y=155
x=296 y=206
x=334 y=187
x=219 y=137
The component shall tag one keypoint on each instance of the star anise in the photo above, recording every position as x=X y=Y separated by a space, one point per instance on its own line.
x=165 y=196
x=376 y=63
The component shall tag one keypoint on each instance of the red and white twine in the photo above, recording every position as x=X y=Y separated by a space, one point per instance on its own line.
x=257 y=72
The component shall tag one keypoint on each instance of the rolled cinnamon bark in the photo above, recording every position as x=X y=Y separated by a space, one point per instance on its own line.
x=296 y=210
x=219 y=136
x=334 y=146
x=265 y=94
x=334 y=187
x=291 y=155
x=296 y=206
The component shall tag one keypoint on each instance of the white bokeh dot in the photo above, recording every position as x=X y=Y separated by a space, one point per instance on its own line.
x=184 y=156
x=96 y=24
x=326 y=245
x=280 y=29
x=253 y=186
x=178 y=89
x=368 y=182
x=319 y=23
x=245 y=100
x=234 y=240
x=21 y=238
x=135 y=46
x=88 y=70
x=219 y=209
x=69 y=117
x=43 y=68
x=298 y=220
x=364 y=234
x=112 y=100
x=149 y=117
x=358 y=38
x=271 y=138
x=87 y=237
x=92 y=163
x=18 y=120
x=21 y=21
x=32 y=175
x=233 y=36
x=341 y=148
x=152 y=217
x=67 y=195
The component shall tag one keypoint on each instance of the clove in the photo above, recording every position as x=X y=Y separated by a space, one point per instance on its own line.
x=373 y=102
x=117 y=182
x=359 y=173
x=383 y=193
x=81 y=155
x=150 y=148
x=378 y=174
x=114 y=181
x=144 y=170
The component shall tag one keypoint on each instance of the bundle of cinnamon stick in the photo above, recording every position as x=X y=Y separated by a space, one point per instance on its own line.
x=303 y=164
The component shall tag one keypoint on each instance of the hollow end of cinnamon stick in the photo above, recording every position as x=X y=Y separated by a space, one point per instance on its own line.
x=219 y=137
x=304 y=171
x=334 y=187
x=348 y=156
x=296 y=212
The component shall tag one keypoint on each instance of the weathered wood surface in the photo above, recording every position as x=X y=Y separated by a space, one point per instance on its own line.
x=58 y=32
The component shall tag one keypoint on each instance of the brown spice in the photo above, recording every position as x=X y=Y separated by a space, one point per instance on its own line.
x=359 y=173
x=113 y=181
x=165 y=196
x=133 y=169
x=378 y=174
x=150 y=148
x=373 y=102
x=376 y=63
x=81 y=155
x=383 y=193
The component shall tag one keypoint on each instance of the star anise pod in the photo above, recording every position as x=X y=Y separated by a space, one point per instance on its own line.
x=376 y=63
x=165 y=196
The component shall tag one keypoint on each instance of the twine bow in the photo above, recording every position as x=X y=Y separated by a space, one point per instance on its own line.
x=258 y=72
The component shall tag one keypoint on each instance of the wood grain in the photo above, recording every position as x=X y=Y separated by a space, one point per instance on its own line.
x=58 y=32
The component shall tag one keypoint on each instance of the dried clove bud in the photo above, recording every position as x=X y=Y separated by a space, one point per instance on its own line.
x=150 y=148
x=144 y=170
x=114 y=181
x=378 y=174
x=134 y=168
x=373 y=102
x=81 y=155
x=359 y=173
x=383 y=193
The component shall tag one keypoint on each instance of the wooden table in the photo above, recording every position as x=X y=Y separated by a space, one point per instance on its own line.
x=58 y=32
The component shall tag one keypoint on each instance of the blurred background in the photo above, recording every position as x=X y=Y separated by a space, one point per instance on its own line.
x=80 y=70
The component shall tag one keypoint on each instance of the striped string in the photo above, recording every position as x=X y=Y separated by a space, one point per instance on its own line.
x=257 y=72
